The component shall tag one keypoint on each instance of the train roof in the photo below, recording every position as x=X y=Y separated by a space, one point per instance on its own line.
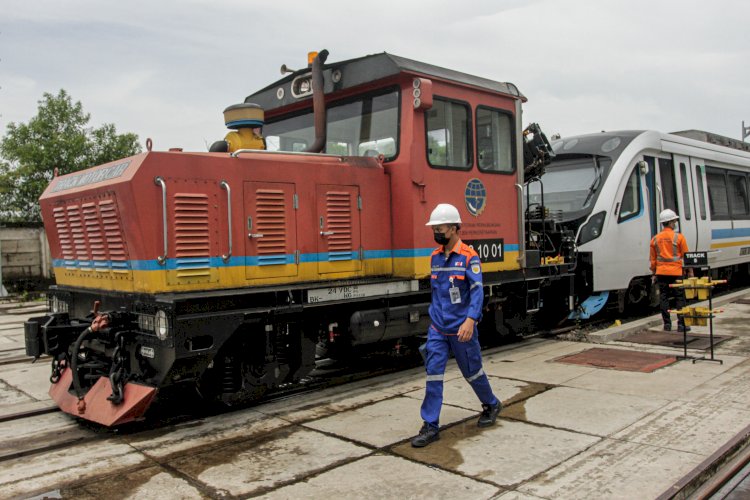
x=613 y=143
x=711 y=138
x=608 y=143
x=371 y=68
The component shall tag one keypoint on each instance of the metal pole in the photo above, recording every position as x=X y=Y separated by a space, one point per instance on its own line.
x=745 y=130
x=3 y=292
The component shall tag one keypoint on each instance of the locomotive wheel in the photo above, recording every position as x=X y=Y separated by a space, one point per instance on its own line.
x=230 y=381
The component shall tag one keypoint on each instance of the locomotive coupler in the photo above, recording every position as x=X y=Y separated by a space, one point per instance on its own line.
x=103 y=324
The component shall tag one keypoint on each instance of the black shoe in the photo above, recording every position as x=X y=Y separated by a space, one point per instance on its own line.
x=682 y=328
x=489 y=414
x=427 y=434
x=667 y=328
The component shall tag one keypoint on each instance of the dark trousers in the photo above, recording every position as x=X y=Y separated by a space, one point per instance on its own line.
x=469 y=358
x=666 y=294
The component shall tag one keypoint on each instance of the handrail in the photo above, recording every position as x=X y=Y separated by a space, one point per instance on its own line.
x=266 y=152
x=521 y=223
x=659 y=202
x=162 y=259
x=225 y=185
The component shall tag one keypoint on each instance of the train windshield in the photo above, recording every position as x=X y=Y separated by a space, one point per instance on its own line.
x=571 y=183
x=366 y=126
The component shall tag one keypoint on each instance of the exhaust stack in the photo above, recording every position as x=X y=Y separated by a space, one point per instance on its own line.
x=319 y=103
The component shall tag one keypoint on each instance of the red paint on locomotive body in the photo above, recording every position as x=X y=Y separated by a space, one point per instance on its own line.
x=417 y=187
x=94 y=405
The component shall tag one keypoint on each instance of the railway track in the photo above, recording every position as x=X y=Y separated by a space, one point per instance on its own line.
x=20 y=415
x=46 y=429
x=733 y=480
x=13 y=356
x=43 y=430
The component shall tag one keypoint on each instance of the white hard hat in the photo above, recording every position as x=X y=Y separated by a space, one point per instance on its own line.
x=667 y=216
x=444 y=214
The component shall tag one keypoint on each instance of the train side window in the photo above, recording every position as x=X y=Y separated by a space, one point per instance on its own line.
x=630 y=206
x=718 y=200
x=448 y=134
x=739 y=201
x=494 y=140
x=685 y=192
x=668 y=187
x=701 y=198
x=364 y=124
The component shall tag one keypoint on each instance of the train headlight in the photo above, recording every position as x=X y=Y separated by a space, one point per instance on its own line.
x=162 y=325
x=592 y=229
x=302 y=86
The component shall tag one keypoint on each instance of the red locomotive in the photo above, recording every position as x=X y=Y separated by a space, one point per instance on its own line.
x=227 y=270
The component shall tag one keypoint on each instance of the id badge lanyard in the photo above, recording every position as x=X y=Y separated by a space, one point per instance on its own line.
x=455 y=293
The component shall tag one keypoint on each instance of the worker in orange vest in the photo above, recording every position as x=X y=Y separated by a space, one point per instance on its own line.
x=667 y=251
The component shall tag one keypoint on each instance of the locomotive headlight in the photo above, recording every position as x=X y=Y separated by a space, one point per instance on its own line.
x=302 y=86
x=592 y=229
x=162 y=324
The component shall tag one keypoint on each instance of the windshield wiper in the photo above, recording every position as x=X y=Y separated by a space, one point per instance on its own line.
x=594 y=185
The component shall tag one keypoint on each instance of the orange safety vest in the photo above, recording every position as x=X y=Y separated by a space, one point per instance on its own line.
x=667 y=250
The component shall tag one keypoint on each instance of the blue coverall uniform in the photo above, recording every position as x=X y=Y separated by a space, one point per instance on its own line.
x=461 y=270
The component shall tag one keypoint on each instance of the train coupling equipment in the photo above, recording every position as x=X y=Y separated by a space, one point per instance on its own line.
x=590 y=306
x=537 y=152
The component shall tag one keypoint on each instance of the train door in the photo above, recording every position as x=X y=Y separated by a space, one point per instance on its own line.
x=271 y=230
x=700 y=199
x=684 y=199
x=629 y=229
x=338 y=219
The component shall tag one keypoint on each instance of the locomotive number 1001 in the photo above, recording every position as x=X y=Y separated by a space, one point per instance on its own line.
x=488 y=250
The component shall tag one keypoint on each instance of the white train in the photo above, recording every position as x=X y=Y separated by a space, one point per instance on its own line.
x=610 y=187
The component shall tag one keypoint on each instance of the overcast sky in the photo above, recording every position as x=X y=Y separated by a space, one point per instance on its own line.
x=167 y=69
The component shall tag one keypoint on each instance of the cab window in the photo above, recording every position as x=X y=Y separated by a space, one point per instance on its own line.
x=685 y=192
x=494 y=140
x=448 y=134
x=701 y=196
x=365 y=125
x=630 y=206
x=668 y=187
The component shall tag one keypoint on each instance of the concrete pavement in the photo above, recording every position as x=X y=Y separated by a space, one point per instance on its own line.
x=568 y=431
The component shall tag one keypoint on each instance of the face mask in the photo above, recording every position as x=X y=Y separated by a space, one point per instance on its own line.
x=440 y=238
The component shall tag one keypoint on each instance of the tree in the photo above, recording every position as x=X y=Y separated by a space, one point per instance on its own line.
x=57 y=137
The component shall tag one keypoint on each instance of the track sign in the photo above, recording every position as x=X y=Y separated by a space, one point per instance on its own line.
x=695 y=259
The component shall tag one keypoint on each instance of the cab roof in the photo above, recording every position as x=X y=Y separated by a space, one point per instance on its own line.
x=371 y=68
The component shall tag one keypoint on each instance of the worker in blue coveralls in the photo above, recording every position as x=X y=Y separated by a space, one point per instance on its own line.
x=456 y=308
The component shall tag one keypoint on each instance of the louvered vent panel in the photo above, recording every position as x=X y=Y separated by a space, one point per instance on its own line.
x=192 y=240
x=78 y=234
x=339 y=217
x=270 y=209
x=94 y=236
x=112 y=230
x=90 y=235
x=64 y=236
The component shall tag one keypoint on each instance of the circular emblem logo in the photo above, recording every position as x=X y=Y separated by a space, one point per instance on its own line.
x=476 y=197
